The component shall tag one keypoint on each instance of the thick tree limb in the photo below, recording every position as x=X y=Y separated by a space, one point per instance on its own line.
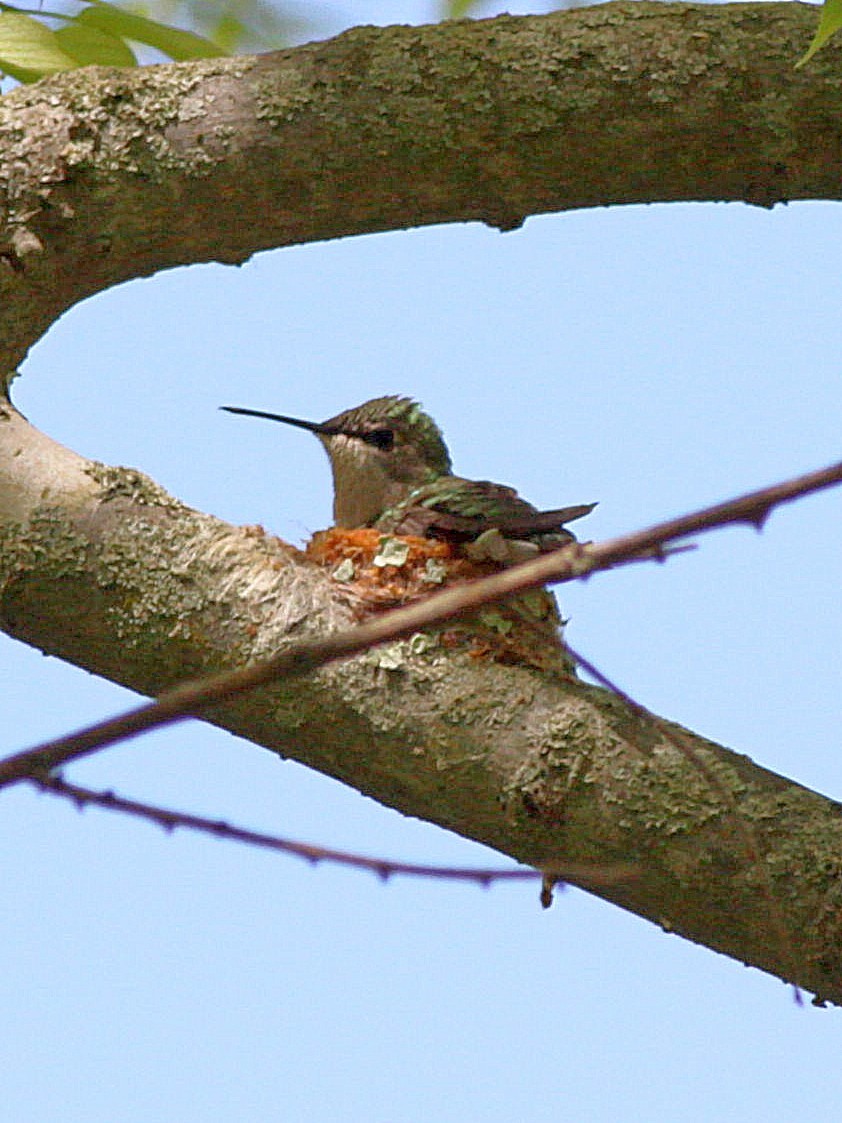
x=107 y=175
x=577 y=560
x=101 y=567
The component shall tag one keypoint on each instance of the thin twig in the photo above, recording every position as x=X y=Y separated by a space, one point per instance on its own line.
x=169 y=820
x=570 y=563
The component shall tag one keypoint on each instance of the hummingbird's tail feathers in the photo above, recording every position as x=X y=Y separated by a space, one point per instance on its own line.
x=520 y=526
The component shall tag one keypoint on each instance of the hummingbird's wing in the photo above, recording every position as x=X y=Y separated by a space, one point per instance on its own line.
x=543 y=522
x=460 y=510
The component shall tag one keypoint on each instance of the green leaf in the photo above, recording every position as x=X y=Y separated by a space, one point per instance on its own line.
x=171 y=41
x=228 y=32
x=91 y=47
x=829 y=22
x=456 y=9
x=28 y=49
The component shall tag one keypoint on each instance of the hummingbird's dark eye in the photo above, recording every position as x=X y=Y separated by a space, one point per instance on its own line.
x=381 y=438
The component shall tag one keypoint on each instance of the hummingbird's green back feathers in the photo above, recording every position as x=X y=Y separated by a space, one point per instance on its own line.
x=459 y=510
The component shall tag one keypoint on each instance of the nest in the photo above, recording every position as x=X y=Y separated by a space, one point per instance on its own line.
x=384 y=571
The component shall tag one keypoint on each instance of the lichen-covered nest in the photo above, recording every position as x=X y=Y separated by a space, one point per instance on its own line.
x=381 y=571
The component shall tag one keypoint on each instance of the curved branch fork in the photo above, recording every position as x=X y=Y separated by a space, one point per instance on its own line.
x=106 y=174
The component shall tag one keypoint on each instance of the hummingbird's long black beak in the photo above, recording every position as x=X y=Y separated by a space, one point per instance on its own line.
x=311 y=426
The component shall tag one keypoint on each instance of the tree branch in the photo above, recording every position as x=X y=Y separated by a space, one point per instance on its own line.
x=107 y=175
x=575 y=561
x=115 y=575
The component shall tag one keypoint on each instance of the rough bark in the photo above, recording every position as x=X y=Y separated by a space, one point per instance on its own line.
x=99 y=566
x=112 y=174
x=107 y=175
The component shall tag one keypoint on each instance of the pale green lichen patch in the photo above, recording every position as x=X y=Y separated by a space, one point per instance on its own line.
x=402 y=654
x=283 y=93
x=117 y=121
x=345 y=571
x=391 y=551
x=435 y=573
x=45 y=541
x=129 y=483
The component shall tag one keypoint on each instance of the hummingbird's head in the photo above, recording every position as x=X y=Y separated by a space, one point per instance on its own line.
x=379 y=451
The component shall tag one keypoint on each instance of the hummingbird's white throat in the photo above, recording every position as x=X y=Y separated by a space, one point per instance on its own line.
x=362 y=487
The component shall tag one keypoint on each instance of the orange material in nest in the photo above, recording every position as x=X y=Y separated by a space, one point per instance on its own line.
x=390 y=569
x=382 y=571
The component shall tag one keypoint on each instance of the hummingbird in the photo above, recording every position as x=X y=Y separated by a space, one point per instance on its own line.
x=392 y=471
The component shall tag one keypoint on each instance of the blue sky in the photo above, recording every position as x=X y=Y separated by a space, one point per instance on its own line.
x=653 y=358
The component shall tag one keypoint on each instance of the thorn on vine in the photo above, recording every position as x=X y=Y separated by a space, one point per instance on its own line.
x=547 y=886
